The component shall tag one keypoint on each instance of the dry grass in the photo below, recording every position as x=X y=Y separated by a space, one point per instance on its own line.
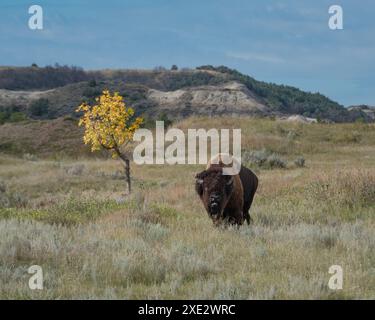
x=93 y=241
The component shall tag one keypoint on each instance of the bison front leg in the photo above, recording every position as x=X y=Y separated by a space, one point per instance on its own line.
x=234 y=217
x=240 y=218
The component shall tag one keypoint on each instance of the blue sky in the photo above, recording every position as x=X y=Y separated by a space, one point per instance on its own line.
x=285 y=42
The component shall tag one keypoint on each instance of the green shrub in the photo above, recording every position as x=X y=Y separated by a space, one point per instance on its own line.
x=264 y=159
x=30 y=157
x=3 y=117
x=7 y=147
x=275 y=161
x=2 y=186
x=164 y=117
x=39 y=108
x=11 y=113
x=300 y=162
x=75 y=170
x=292 y=135
x=91 y=92
x=17 y=116
x=9 y=199
x=258 y=158
x=92 y=83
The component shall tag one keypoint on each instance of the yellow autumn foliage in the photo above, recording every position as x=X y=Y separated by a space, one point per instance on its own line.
x=109 y=123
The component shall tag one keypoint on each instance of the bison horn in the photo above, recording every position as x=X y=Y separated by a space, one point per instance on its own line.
x=199 y=181
x=230 y=181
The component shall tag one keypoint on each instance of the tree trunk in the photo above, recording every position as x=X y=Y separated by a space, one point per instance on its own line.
x=127 y=174
x=126 y=160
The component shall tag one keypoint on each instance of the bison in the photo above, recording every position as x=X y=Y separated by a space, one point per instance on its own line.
x=226 y=198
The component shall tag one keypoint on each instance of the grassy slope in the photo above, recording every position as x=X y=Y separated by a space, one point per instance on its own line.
x=71 y=217
x=73 y=85
x=54 y=138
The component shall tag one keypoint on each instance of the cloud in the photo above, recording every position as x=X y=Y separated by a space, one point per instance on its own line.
x=278 y=6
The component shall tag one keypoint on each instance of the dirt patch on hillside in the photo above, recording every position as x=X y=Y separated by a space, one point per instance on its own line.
x=230 y=98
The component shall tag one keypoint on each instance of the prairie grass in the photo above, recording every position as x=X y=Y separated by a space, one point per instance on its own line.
x=94 y=241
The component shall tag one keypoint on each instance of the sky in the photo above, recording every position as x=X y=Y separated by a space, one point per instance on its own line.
x=284 y=42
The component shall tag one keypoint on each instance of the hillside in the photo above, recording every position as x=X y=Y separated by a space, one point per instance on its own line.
x=369 y=110
x=57 y=137
x=51 y=92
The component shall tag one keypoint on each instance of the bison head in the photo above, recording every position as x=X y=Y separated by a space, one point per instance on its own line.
x=214 y=189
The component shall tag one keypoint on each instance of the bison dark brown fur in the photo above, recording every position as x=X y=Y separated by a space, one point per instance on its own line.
x=226 y=198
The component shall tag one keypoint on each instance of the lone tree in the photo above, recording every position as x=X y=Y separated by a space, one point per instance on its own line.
x=39 y=107
x=109 y=124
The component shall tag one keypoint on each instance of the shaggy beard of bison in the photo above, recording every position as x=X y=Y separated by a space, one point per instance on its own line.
x=216 y=211
x=214 y=206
